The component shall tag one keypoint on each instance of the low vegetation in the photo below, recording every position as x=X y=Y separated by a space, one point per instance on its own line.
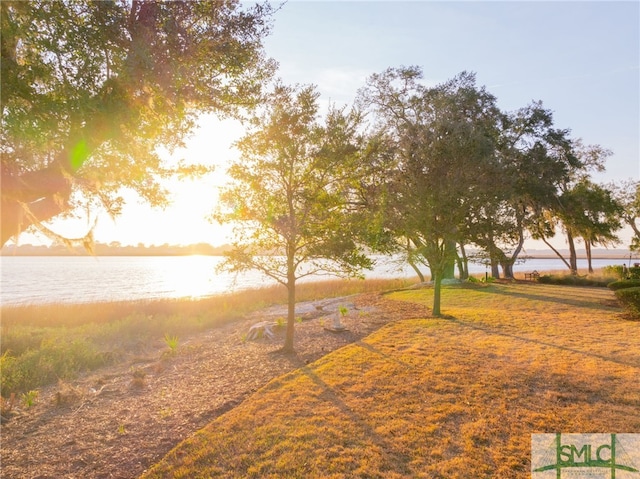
x=628 y=293
x=451 y=397
x=624 y=283
x=41 y=344
x=574 y=280
x=630 y=299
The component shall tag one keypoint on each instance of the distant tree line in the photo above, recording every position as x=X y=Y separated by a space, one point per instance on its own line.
x=114 y=249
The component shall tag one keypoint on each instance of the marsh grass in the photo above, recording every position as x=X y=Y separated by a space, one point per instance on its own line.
x=172 y=342
x=437 y=398
x=41 y=344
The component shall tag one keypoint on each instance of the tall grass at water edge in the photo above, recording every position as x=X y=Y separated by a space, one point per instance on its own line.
x=41 y=344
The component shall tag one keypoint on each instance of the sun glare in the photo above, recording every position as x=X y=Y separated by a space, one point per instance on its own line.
x=192 y=200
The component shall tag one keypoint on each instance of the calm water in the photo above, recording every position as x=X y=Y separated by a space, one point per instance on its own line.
x=77 y=279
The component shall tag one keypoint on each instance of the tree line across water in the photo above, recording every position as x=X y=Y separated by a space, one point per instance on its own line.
x=91 y=91
x=115 y=249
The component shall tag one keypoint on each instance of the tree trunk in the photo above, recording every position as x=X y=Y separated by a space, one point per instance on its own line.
x=506 y=263
x=291 y=319
x=573 y=257
x=291 y=305
x=495 y=268
x=463 y=264
x=417 y=270
x=587 y=247
x=556 y=252
x=450 y=269
x=507 y=269
x=509 y=262
x=44 y=194
x=437 y=287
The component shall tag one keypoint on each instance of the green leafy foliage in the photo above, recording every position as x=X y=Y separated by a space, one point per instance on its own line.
x=90 y=90
x=573 y=280
x=624 y=283
x=292 y=191
x=53 y=360
x=630 y=299
x=441 y=143
x=172 y=341
x=627 y=194
x=614 y=270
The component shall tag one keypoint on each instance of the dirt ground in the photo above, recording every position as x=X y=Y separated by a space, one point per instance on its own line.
x=119 y=421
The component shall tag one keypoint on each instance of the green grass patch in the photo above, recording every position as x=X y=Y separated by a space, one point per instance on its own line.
x=437 y=398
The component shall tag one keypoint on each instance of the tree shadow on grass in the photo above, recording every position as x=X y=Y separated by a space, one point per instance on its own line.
x=498 y=332
x=540 y=296
x=392 y=458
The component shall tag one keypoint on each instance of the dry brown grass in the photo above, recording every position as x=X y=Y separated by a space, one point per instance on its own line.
x=233 y=304
x=437 y=398
x=43 y=343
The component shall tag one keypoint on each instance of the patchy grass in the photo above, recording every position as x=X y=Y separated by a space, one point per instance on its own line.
x=41 y=344
x=454 y=397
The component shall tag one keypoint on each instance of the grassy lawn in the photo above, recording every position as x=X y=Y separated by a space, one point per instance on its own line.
x=440 y=398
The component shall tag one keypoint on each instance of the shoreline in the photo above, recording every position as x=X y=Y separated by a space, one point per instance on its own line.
x=619 y=254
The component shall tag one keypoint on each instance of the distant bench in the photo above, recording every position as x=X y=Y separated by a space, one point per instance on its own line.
x=532 y=276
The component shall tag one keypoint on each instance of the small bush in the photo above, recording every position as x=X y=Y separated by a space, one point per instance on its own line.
x=29 y=399
x=614 y=270
x=53 y=361
x=571 y=280
x=622 y=272
x=630 y=299
x=624 y=283
x=172 y=342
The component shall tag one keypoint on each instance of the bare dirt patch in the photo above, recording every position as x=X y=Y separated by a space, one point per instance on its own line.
x=118 y=422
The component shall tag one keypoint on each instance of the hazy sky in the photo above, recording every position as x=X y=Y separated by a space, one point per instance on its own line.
x=580 y=58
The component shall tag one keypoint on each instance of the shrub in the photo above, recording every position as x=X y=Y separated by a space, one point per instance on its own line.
x=630 y=299
x=572 y=280
x=614 y=270
x=624 y=283
x=52 y=361
x=622 y=272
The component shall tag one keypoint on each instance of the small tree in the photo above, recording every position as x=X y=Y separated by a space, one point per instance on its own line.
x=291 y=196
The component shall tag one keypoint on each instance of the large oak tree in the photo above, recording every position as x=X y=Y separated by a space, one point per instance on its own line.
x=90 y=90
x=443 y=142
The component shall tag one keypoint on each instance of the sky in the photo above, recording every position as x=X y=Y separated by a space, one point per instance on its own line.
x=581 y=59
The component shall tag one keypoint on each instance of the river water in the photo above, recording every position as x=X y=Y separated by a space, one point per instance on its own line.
x=78 y=279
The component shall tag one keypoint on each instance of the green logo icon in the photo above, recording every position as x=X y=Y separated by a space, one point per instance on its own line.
x=585 y=456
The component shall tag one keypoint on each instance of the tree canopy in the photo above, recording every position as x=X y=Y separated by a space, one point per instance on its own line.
x=627 y=195
x=443 y=143
x=91 y=89
x=290 y=192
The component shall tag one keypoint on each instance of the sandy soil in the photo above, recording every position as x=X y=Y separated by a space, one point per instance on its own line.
x=118 y=422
